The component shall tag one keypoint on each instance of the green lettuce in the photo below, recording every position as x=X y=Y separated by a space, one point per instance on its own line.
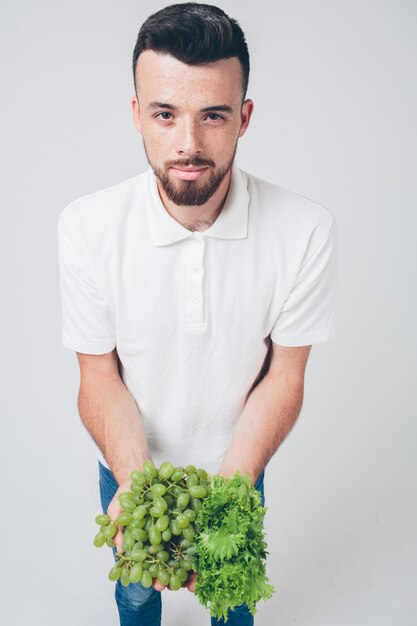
x=230 y=547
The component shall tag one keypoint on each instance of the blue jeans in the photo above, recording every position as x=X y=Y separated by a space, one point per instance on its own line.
x=141 y=606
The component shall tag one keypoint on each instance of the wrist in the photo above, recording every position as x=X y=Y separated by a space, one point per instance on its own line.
x=228 y=470
x=123 y=475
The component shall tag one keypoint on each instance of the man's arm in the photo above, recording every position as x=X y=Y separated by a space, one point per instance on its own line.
x=269 y=413
x=110 y=414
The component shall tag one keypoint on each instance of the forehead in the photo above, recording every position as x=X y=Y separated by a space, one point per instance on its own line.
x=164 y=78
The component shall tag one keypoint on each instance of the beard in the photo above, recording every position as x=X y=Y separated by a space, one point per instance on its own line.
x=191 y=192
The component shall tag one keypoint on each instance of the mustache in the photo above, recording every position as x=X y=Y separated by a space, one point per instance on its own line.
x=191 y=162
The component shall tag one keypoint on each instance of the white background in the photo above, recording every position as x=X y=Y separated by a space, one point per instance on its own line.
x=335 y=99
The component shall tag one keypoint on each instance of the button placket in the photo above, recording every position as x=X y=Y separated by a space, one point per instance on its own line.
x=194 y=274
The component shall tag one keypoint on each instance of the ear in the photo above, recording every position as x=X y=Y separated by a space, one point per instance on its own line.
x=247 y=110
x=136 y=114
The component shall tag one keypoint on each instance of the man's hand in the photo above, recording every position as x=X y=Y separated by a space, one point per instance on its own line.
x=189 y=583
x=114 y=511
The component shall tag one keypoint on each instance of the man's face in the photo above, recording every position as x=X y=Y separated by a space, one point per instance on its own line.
x=190 y=118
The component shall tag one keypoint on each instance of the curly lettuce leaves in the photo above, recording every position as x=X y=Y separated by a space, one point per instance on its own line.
x=230 y=547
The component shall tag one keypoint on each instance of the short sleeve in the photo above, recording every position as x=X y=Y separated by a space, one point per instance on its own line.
x=307 y=315
x=87 y=324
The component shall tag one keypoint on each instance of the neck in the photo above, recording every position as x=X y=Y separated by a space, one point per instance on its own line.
x=197 y=217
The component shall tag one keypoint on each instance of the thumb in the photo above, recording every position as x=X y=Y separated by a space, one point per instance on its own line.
x=118 y=539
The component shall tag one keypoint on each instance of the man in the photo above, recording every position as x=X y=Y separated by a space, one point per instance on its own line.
x=192 y=293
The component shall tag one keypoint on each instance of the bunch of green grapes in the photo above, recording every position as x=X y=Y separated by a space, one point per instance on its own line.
x=158 y=515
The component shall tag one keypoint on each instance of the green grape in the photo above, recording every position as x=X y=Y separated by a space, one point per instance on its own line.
x=182 y=521
x=149 y=523
x=186 y=564
x=109 y=531
x=162 y=523
x=197 y=491
x=138 y=477
x=127 y=503
x=202 y=473
x=169 y=500
x=175 y=582
x=136 y=572
x=149 y=495
x=190 y=469
x=129 y=540
x=115 y=573
x=158 y=489
x=156 y=511
x=196 y=505
x=182 y=501
x=99 y=540
x=190 y=514
x=164 y=576
x=110 y=543
x=177 y=474
x=123 y=519
x=184 y=544
x=191 y=550
x=154 y=549
x=146 y=579
x=182 y=574
x=154 y=569
x=125 y=577
x=177 y=490
x=136 y=489
x=166 y=534
x=102 y=519
x=160 y=502
x=149 y=470
x=163 y=555
x=138 y=534
x=188 y=532
x=166 y=470
x=138 y=545
x=154 y=535
x=137 y=523
x=145 y=565
x=139 y=512
x=192 y=480
x=175 y=528
x=139 y=554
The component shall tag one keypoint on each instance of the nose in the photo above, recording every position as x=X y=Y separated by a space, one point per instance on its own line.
x=188 y=138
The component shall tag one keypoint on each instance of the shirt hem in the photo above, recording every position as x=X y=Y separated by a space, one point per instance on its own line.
x=303 y=339
x=86 y=347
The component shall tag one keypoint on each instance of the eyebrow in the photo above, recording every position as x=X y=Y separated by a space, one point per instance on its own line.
x=164 y=105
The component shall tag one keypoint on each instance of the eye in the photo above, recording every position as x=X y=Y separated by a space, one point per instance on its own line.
x=165 y=115
x=215 y=116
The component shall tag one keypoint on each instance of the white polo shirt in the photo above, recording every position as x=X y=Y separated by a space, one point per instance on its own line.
x=192 y=313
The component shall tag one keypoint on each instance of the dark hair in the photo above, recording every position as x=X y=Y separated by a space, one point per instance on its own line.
x=194 y=33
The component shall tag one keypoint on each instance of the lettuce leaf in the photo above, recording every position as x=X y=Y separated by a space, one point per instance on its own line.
x=230 y=547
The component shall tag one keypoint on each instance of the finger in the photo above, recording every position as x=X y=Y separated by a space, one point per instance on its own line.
x=157 y=585
x=118 y=539
x=191 y=583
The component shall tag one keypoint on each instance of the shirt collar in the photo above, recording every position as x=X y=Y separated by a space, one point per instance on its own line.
x=232 y=222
